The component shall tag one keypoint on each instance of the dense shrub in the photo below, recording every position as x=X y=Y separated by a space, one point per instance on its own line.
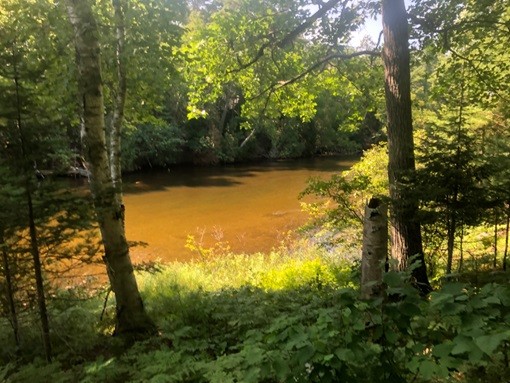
x=151 y=145
x=286 y=317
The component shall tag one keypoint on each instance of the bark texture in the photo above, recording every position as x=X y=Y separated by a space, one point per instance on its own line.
x=406 y=240
x=375 y=248
x=39 y=282
x=451 y=230
x=120 y=99
x=131 y=315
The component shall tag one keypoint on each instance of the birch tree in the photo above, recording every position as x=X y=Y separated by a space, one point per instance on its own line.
x=120 y=99
x=131 y=315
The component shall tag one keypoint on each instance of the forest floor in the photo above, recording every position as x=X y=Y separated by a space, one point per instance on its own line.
x=287 y=316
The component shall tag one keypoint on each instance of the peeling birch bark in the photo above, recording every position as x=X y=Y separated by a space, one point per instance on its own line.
x=375 y=248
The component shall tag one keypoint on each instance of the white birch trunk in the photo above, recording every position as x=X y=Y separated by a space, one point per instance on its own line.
x=120 y=100
x=375 y=248
x=131 y=316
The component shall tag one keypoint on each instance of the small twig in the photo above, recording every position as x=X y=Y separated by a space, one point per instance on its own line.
x=105 y=303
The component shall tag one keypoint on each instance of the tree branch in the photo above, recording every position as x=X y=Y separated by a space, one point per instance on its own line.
x=289 y=38
x=480 y=75
x=308 y=23
x=341 y=56
x=416 y=20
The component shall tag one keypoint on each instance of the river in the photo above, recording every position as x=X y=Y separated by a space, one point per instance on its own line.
x=249 y=206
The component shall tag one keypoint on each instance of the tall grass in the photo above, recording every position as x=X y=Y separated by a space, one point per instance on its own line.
x=292 y=315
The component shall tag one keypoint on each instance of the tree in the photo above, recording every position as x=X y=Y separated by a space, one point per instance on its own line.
x=8 y=284
x=278 y=73
x=24 y=120
x=451 y=183
x=406 y=240
x=375 y=248
x=467 y=42
x=131 y=317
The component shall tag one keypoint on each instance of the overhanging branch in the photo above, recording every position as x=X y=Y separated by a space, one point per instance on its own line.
x=288 y=38
x=334 y=56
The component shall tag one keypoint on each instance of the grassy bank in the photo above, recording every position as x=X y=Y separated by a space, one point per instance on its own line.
x=288 y=316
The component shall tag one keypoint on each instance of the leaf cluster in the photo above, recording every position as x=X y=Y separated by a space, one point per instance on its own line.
x=305 y=331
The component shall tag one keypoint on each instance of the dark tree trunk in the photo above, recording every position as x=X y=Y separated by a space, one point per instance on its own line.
x=461 y=249
x=507 y=228
x=41 y=300
x=496 y=219
x=131 y=316
x=406 y=240
x=451 y=241
x=34 y=246
x=375 y=248
x=9 y=291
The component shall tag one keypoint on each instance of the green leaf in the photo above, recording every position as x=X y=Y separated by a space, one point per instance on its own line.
x=450 y=308
x=492 y=300
x=442 y=350
x=344 y=354
x=428 y=369
x=254 y=355
x=305 y=354
x=410 y=309
x=252 y=375
x=489 y=343
x=391 y=336
x=393 y=279
x=462 y=344
x=328 y=357
x=453 y=288
x=281 y=368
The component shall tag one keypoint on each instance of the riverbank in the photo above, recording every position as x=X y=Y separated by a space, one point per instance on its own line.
x=290 y=315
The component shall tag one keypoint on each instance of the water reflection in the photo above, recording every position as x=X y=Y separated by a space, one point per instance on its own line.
x=250 y=206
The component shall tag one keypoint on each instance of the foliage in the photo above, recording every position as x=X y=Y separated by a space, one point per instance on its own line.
x=150 y=146
x=247 y=318
x=288 y=315
x=337 y=216
x=277 y=81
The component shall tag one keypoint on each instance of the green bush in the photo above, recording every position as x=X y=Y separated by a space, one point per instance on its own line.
x=289 y=316
x=156 y=145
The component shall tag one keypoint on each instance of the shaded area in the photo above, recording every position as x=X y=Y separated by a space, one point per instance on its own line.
x=227 y=175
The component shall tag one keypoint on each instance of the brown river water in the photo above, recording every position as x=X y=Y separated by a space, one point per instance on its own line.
x=249 y=206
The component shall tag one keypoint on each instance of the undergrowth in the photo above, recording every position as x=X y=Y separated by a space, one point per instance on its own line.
x=288 y=316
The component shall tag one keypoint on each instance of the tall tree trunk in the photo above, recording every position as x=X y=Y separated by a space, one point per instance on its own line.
x=496 y=219
x=461 y=249
x=39 y=284
x=120 y=99
x=9 y=290
x=131 y=315
x=375 y=248
x=406 y=240
x=507 y=229
x=451 y=241
x=34 y=246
